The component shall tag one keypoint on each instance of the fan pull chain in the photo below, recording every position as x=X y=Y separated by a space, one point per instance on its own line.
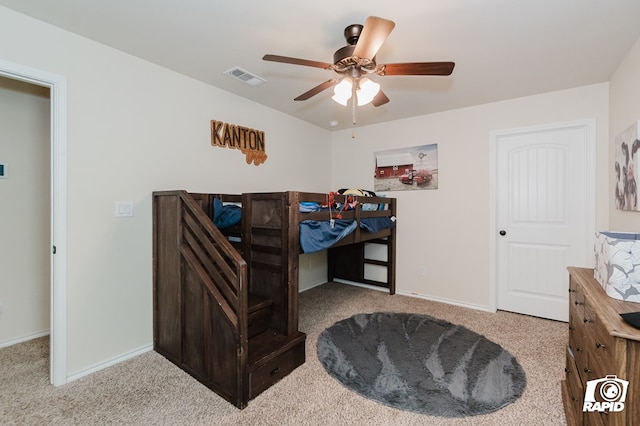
x=353 y=100
x=354 y=112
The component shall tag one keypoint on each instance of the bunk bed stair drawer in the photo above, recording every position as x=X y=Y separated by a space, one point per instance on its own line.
x=266 y=374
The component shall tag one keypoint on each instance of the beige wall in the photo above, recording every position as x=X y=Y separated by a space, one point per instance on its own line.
x=133 y=128
x=447 y=230
x=24 y=211
x=624 y=111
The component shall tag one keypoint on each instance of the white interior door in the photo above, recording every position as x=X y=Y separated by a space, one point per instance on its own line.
x=543 y=216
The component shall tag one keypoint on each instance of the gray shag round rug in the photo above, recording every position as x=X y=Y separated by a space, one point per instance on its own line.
x=421 y=364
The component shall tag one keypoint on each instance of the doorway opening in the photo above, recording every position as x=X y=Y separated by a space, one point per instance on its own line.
x=58 y=144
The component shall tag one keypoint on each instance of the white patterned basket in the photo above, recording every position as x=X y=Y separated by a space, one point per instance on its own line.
x=618 y=264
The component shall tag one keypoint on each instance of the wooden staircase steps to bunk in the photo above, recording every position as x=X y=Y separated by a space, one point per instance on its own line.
x=214 y=317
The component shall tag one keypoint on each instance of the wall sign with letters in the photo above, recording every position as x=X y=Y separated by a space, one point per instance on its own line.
x=249 y=141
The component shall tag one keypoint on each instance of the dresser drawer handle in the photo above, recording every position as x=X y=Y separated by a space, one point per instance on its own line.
x=579 y=349
x=571 y=291
x=275 y=371
x=571 y=328
x=600 y=345
x=588 y=321
x=587 y=370
x=578 y=303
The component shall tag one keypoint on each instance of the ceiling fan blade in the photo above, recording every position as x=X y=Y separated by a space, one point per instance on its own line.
x=319 y=88
x=374 y=33
x=380 y=99
x=296 y=61
x=417 y=68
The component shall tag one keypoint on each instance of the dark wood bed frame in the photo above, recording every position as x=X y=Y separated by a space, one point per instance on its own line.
x=225 y=304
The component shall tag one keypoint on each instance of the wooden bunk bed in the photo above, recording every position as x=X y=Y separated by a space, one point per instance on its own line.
x=225 y=302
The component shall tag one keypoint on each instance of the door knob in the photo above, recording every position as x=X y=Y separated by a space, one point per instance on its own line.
x=503 y=232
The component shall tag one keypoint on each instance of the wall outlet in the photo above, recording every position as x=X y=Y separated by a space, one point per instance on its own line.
x=422 y=271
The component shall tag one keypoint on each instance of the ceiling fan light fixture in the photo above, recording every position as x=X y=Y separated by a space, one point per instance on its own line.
x=367 y=90
x=358 y=59
x=342 y=91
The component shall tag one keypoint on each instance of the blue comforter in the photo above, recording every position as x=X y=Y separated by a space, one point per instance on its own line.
x=225 y=216
x=317 y=235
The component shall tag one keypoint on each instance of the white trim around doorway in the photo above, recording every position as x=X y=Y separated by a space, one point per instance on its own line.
x=57 y=85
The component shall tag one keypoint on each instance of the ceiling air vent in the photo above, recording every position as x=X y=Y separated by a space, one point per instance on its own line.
x=245 y=76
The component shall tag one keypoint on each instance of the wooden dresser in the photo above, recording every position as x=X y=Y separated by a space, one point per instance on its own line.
x=601 y=344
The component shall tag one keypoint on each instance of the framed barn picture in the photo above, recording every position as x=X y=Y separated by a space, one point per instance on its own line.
x=406 y=169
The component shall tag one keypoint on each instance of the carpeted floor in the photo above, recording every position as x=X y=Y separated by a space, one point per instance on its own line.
x=150 y=390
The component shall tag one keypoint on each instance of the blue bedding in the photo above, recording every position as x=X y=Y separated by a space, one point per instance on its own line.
x=376 y=224
x=316 y=235
x=225 y=216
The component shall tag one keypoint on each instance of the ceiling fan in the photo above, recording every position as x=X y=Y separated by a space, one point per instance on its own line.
x=355 y=61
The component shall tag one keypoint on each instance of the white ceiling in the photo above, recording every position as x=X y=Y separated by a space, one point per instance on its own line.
x=502 y=48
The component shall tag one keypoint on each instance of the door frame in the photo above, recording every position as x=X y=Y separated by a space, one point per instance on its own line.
x=57 y=85
x=590 y=129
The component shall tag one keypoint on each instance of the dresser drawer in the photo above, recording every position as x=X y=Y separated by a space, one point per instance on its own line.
x=572 y=410
x=578 y=343
x=576 y=302
x=602 y=354
x=576 y=391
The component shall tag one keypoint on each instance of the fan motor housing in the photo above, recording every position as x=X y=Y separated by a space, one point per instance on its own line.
x=352 y=33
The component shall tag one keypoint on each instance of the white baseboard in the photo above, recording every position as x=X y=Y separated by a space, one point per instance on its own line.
x=353 y=283
x=310 y=286
x=447 y=301
x=109 y=363
x=421 y=296
x=15 y=341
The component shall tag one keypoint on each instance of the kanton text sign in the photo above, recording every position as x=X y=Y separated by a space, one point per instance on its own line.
x=249 y=141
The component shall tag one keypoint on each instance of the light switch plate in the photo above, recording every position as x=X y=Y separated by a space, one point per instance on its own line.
x=124 y=209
